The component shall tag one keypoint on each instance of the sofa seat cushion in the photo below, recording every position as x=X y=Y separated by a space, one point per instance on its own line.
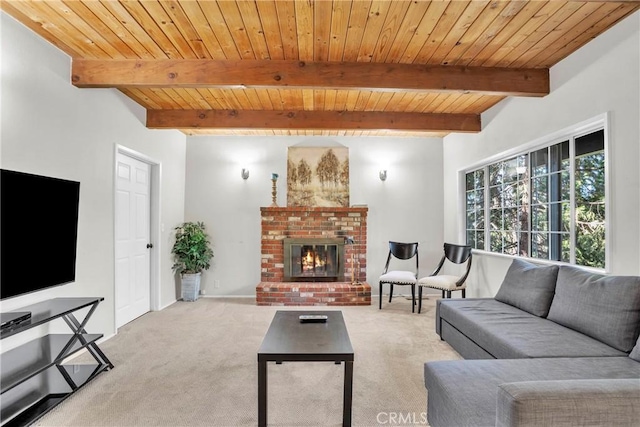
x=529 y=287
x=569 y=403
x=606 y=308
x=507 y=332
x=464 y=392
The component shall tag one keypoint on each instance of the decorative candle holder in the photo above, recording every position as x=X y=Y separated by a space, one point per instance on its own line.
x=274 y=190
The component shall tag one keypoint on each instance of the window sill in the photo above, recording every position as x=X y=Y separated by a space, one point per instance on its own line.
x=481 y=252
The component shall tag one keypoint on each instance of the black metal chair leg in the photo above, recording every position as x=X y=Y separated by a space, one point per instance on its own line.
x=463 y=293
x=380 y=299
x=413 y=298
x=419 y=299
x=443 y=293
x=448 y=294
x=390 y=291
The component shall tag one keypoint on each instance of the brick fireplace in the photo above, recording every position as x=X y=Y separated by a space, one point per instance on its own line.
x=332 y=224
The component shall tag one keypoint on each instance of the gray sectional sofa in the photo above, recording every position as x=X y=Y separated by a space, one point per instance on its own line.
x=557 y=346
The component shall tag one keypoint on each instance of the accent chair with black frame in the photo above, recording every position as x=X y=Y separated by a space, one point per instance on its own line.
x=457 y=254
x=401 y=251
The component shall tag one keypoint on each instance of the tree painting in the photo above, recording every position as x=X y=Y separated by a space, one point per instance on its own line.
x=318 y=176
x=328 y=169
x=344 y=173
x=304 y=173
x=292 y=175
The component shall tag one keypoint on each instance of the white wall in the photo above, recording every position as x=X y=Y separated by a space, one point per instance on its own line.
x=51 y=128
x=602 y=76
x=406 y=207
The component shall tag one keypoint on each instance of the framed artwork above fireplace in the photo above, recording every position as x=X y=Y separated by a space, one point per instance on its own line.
x=318 y=176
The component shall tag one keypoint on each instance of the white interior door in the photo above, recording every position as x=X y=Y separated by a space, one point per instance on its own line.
x=133 y=288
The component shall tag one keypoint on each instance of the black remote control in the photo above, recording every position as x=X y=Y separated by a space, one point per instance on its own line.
x=313 y=318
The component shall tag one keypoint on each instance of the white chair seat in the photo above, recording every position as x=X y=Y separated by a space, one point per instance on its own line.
x=399 y=277
x=444 y=282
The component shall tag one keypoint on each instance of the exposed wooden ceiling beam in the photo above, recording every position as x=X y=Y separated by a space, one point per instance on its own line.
x=312 y=120
x=300 y=74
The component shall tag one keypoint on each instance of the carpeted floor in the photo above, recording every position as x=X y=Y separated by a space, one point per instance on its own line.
x=195 y=364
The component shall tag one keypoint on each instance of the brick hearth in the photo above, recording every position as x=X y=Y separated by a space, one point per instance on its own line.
x=313 y=293
x=304 y=222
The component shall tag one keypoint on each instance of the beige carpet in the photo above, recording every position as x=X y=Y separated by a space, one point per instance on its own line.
x=195 y=364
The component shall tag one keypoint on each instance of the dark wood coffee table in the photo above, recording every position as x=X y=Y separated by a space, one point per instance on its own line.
x=289 y=340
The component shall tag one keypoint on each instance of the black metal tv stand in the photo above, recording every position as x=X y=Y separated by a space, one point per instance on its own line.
x=33 y=378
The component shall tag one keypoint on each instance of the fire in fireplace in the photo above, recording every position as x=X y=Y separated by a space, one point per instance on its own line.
x=313 y=260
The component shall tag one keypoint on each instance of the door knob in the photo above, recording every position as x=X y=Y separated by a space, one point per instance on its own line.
x=149 y=245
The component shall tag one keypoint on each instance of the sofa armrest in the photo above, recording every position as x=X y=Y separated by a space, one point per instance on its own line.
x=569 y=403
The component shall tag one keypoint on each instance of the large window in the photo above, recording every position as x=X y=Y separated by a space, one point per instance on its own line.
x=546 y=204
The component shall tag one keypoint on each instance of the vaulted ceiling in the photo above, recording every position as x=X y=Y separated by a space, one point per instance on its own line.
x=323 y=67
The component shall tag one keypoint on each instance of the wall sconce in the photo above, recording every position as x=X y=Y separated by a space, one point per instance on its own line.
x=245 y=173
x=383 y=175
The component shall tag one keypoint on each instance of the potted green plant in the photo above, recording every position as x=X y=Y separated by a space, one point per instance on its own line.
x=192 y=254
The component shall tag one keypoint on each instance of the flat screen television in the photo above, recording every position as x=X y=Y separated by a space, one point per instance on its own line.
x=38 y=232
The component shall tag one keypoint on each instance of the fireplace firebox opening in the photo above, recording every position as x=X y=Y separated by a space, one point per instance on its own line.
x=314 y=260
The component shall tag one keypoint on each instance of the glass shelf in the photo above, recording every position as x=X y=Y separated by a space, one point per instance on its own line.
x=44 y=352
x=39 y=403
x=34 y=380
x=46 y=311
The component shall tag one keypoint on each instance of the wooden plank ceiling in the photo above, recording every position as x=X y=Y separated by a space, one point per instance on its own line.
x=323 y=67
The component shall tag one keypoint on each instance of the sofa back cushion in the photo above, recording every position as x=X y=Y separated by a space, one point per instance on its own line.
x=606 y=308
x=529 y=287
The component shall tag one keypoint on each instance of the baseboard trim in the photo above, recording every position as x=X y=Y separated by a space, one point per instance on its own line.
x=167 y=305
x=227 y=296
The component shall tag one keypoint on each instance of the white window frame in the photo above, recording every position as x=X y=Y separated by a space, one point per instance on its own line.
x=599 y=122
